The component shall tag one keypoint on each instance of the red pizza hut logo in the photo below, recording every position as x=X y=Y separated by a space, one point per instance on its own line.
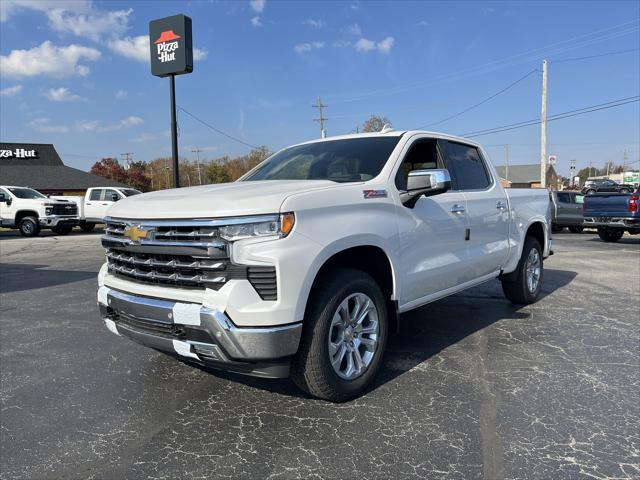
x=167 y=45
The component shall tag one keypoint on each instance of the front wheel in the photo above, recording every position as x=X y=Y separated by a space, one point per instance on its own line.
x=625 y=190
x=343 y=338
x=29 y=227
x=610 y=234
x=523 y=286
x=576 y=229
x=590 y=192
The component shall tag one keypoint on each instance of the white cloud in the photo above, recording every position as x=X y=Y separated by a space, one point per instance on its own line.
x=144 y=137
x=384 y=46
x=93 y=24
x=137 y=48
x=11 y=91
x=255 y=21
x=48 y=59
x=423 y=23
x=11 y=7
x=258 y=5
x=44 y=125
x=134 y=48
x=314 y=23
x=87 y=125
x=96 y=125
x=121 y=94
x=307 y=47
x=61 y=94
x=354 y=29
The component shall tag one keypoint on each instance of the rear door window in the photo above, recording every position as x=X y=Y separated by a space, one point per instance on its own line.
x=465 y=166
x=95 y=194
x=564 y=197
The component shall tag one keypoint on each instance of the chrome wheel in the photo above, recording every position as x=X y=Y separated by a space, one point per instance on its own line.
x=353 y=336
x=532 y=270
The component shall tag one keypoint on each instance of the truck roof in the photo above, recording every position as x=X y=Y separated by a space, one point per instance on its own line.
x=393 y=133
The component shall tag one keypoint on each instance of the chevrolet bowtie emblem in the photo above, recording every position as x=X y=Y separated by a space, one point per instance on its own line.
x=135 y=233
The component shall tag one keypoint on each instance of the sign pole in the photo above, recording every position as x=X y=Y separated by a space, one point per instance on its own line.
x=174 y=133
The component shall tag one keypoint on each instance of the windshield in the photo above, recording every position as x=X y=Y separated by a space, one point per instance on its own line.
x=129 y=192
x=28 y=193
x=349 y=160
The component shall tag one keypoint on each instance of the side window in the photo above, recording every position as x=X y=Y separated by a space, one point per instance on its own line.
x=422 y=155
x=95 y=194
x=109 y=195
x=564 y=197
x=465 y=166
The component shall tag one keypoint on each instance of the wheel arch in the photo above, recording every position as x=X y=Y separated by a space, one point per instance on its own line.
x=369 y=258
x=20 y=214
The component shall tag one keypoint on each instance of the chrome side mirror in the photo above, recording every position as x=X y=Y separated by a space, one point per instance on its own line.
x=427 y=183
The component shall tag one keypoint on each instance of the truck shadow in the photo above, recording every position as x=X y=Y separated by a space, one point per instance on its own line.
x=21 y=277
x=428 y=330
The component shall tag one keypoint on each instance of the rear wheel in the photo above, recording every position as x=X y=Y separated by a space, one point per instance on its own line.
x=576 y=229
x=524 y=284
x=591 y=192
x=625 y=190
x=62 y=229
x=343 y=338
x=610 y=234
x=29 y=227
x=87 y=227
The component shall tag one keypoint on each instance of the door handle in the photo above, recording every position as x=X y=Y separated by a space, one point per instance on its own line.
x=88 y=203
x=501 y=205
x=457 y=209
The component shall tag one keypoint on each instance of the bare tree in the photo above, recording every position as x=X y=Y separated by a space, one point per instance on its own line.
x=375 y=123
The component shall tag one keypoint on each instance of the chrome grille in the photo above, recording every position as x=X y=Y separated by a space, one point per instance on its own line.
x=179 y=254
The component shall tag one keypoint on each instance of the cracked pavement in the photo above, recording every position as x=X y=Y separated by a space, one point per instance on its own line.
x=472 y=388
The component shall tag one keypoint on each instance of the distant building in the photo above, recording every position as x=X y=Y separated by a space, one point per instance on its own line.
x=38 y=165
x=527 y=176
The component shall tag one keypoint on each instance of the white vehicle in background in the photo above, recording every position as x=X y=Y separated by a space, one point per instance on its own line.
x=304 y=265
x=93 y=207
x=28 y=210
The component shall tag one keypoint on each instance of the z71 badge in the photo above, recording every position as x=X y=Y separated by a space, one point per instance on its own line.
x=374 y=193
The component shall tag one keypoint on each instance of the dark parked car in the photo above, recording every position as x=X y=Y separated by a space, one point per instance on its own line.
x=606 y=186
x=566 y=211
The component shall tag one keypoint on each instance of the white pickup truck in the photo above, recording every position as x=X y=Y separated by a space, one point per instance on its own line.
x=303 y=266
x=28 y=210
x=93 y=207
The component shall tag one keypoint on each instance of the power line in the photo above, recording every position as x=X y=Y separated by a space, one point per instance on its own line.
x=559 y=116
x=481 y=102
x=216 y=129
x=618 y=52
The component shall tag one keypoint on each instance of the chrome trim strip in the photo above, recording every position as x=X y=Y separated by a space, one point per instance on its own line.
x=200 y=222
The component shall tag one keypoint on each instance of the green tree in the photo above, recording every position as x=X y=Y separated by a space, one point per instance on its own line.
x=375 y=123
x=216 y=172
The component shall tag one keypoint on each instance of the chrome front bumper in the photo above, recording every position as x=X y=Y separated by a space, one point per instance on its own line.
x=55 y=220
x=200 y=334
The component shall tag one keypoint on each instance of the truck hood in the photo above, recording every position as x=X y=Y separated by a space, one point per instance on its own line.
x=221 y=200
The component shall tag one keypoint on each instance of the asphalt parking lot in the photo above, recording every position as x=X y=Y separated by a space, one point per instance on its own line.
x=473 y=387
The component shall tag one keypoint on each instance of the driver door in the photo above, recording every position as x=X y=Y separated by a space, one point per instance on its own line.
x=432 y=234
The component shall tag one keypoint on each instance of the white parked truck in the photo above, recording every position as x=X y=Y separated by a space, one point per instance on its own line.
x=95 y=203
x=303 y=266
x=28 y=210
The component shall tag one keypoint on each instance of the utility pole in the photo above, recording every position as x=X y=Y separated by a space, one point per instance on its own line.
x=322 y=119
x=572 y=172
x=543 y=127
x=127 y=159
x=197 y=152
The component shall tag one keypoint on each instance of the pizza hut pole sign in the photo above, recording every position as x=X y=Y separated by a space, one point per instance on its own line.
x=171 y=54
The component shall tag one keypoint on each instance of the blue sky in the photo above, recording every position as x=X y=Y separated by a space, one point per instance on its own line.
x=75 y=73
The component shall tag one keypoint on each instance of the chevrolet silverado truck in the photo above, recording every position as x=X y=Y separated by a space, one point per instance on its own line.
x=95 y=203
x=28 y=210
x=303 y=266
x=612 y=214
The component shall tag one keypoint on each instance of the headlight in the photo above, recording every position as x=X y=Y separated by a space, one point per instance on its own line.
x=271 y=225
x=48 y=209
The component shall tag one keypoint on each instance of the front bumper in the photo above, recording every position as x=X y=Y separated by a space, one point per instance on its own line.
x=58 y=220
x=200 y=334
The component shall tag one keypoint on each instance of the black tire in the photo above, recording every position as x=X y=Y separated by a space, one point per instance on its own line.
x=576 y=229
x=625 y=190
x=62 y=229
x=29 y=227
x=515 y=285
x=591 y=192
x=610 y=234
x=311 y=369
x=556 y=228
x=87 y=227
